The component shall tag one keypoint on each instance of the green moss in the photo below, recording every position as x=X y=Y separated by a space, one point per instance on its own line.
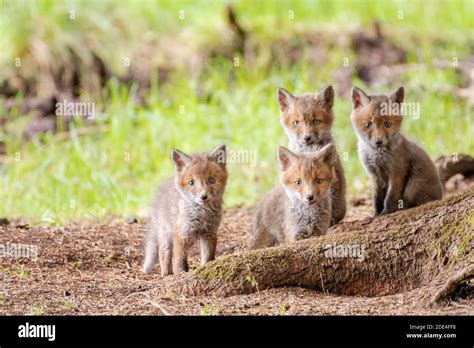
x=229 y=267
x=453 y=241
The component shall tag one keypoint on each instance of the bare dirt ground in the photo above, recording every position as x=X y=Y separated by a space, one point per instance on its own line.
x=95 y=269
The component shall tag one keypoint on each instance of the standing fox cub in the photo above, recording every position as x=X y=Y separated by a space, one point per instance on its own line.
x=403 y=175
x=301 y=206
x=185 y=209
x=307 y=120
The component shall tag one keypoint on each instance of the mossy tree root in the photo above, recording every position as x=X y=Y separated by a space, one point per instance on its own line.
x=453 y=285
x=374 y=256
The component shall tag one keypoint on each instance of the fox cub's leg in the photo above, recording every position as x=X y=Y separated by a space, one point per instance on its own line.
x=180 y=253
x=208 y=248
x=260 y=238
x=394 y=194
x=151 y=255
x=254 y=240
x=379 y=191
x=378 y=197
x=165 y=260
x=339 y=209
x=151 y=251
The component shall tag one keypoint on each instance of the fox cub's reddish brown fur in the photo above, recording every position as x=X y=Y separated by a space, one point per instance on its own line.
x=307 y=120
x=403 y=175
x=301 y=206
x=186 y=209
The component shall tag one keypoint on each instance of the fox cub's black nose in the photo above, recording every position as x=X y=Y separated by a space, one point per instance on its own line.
x=379 y=142
x=203 y=197
x=309 y=198
x=307 y=139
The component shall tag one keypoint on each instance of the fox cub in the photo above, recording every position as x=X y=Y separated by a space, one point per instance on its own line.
x=301 y=206
x=402 y=173
x=185 y=209
x=307 y=120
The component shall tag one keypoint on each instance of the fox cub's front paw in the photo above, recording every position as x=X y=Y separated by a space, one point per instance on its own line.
x=388 y=210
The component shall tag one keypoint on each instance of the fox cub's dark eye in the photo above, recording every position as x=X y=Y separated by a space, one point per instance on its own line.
x=212 y=180
x=316 y=122
x=191 y=182
x=319 y=181
x=296 y=123
x=298 y=182
x=387 y=124
x=368 y=125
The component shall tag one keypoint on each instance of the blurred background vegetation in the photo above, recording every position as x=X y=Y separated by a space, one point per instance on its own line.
x=194 y=74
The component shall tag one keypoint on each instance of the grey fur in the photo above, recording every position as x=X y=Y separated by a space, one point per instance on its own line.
x=282 y=217
x=174 y=211
x=400 y=160
x=402 y=173
x=325 y=98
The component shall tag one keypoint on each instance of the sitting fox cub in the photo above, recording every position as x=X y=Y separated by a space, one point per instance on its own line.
x=402 y=174
x=307 y=120
x=301 y=206
x=185 y=209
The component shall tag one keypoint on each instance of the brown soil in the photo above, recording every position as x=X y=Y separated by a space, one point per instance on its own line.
x=86 y=268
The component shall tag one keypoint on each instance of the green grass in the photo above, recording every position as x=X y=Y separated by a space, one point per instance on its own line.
x=90 y=176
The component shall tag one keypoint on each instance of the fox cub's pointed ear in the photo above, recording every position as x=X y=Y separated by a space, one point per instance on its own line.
x=285 y=158
x=285 y=99
x=326 y=96
x=359 y=98
x=180 y=159
x=328 y=154
x=219 y=154
x=398 y=95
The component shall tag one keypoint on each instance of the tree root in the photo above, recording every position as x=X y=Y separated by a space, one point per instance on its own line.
x=372 y=257
x=451 y=287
